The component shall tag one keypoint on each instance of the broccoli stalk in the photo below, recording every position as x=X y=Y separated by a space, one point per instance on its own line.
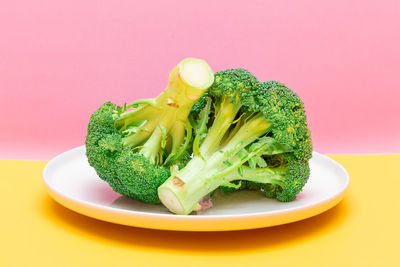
x=205 y=173
x=250 y=130
x=164 y=120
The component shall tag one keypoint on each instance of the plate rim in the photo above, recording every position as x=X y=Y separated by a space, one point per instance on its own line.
x=74 y=203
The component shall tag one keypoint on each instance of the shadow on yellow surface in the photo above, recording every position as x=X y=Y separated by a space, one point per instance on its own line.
x=201 y=242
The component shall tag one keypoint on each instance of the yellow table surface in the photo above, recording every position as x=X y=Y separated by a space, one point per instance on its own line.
x=363 y=230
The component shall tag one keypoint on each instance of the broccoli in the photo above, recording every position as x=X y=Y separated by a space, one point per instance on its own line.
x=248 y=135
x=135 y=146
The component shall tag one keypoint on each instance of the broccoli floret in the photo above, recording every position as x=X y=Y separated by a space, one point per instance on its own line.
x=134 y=147
x=100 y=138
x=283 y=182
x=139 y=177
x=247 y=135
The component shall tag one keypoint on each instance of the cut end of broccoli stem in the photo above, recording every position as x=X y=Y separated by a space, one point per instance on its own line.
x=168 y=199
x=196 y=72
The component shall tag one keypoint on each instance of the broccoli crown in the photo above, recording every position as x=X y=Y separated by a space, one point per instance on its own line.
x=296 y=176
x=127 y=172
x=293 y=175
x=102 y=121
x=103 y=144
x=137 y=177
x=239 y=85
x=285 y=111
x=280 y=106
x=133 y=146
x=283 y=182
x=248 y=135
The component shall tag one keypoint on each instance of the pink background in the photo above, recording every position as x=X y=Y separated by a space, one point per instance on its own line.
x=59 y=60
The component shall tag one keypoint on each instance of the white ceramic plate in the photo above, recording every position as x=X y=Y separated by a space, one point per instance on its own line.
x=73 y=183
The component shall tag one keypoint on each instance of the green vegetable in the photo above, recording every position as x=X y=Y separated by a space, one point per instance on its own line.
x=248 y=135
x=135 y=147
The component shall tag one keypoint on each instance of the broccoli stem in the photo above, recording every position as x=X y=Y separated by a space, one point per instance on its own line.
x=183 y=190
x=166 y=114
x=141 y=135
x=177 y=135
x=226 y=113
x=181 y=136
x=151 y=149
x=260 y=175
x=248 y=133
x=141 y=113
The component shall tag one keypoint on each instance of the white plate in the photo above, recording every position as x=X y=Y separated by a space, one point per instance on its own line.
x=73 y=183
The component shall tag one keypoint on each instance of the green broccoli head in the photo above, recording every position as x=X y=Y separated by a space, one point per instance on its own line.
x=102 y=120
x=248 y=135
x=296 y=176
x=138 y=178
x=103 y=144
x=239 y=85
x=289 y=168
x=282 y=178
x=108 y=155
x=285 y=181
x=132 y=147
x=285 y=111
